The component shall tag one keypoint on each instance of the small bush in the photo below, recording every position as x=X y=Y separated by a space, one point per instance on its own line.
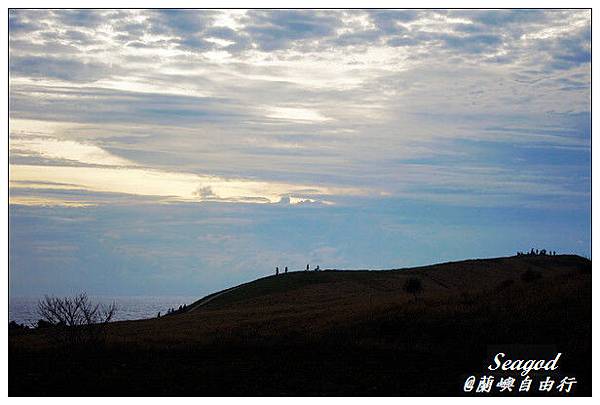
x=413 y=286
x=42 y=324
x=15 y=328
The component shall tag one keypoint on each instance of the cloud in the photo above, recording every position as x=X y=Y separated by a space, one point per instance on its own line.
x=176 y=151
x=162 y=185
x=504 y=17
x=179 y=22
x=204 y=192
x=473 y=43
x=295 y=114
x=59 y=68
x=17 y=24
x=94 y=104
x=49 y=148
x=276 y=29
x=346 y=97
x=80 y=18
x=391 y=21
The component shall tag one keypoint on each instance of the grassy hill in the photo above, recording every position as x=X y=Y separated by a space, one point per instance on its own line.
x=440 y=279
x=334 y=333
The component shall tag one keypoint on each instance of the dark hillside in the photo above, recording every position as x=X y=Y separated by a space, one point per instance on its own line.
x=334 y=333
x=469 y=275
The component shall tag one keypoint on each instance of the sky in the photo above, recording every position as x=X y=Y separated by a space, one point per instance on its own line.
x=158 y=152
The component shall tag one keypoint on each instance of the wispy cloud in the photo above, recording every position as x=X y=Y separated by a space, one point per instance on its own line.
x=169 y=185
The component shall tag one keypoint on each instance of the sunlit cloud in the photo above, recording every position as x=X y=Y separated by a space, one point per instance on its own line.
x=284 y=97
x=48 y=202
x=65 y=150
x=298 y=114
x=170 y=186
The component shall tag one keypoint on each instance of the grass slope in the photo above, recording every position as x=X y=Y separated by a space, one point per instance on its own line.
x=333 y=333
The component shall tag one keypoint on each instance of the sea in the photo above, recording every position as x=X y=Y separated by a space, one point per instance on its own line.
x=23 y=310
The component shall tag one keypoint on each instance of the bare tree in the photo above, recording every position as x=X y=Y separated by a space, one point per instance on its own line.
x=76 y=320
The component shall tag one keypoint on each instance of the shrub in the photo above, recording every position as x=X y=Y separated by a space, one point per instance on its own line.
x=42 y=324
x=413 y=286
x=17 y=328
x=75 y=320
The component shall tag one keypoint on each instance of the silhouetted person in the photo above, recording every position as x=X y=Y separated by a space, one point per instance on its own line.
x=286 y=269
x=307 y=267
x=317 y=268
x=276 y=271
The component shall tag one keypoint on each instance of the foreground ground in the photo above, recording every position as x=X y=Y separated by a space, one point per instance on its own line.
x=334 y=333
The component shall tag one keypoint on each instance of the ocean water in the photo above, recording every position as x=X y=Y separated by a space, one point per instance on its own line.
x=24 y=309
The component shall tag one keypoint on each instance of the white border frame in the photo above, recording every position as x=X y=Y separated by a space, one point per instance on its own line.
x=258 y=4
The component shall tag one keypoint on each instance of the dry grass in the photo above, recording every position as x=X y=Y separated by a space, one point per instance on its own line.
x=349 y=323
